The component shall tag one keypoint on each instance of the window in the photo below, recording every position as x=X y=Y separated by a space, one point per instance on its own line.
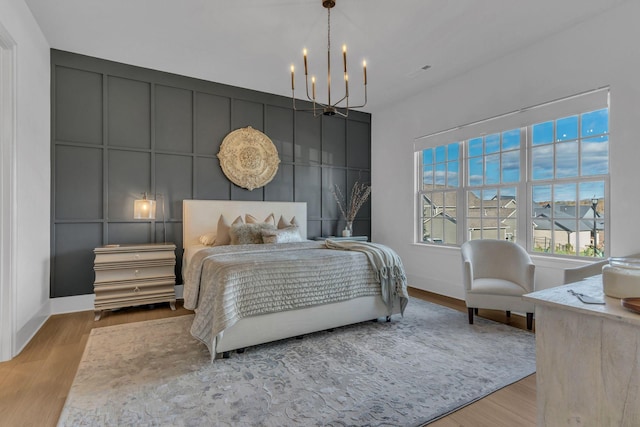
x=491 y=193
x=569 y=166
x=543 y=185
x=438 y=194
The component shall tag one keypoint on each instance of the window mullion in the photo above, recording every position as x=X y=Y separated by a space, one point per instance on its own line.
x=461 y=210
x=525 y=206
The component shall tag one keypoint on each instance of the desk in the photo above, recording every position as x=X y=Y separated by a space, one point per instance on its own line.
x=587 y=358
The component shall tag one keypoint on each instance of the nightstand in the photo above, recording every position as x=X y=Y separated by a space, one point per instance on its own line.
x=130 y=275
x=357 y=238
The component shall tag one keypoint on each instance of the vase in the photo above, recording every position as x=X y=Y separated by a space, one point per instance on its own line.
x=348 y=229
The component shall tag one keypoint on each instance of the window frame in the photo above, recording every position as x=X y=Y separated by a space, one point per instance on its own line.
x=519 y=185
x=421 y=192
x=525 y=185
x=576 y=180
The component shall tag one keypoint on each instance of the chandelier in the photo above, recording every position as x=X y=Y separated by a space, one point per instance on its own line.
x=340 y=107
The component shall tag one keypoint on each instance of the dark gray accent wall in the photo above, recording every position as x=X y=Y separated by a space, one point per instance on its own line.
x=119 y=130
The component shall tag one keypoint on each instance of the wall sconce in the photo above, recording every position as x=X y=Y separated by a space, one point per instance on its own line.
x=146 y=209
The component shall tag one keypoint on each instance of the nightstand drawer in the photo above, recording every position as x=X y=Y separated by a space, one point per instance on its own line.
x=120 y=257
x=130 y=291
x=122 y=274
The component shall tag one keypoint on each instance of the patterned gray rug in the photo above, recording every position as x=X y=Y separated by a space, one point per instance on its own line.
x=404 y=373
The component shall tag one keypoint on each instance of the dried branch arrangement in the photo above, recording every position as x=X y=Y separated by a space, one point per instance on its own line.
x=359 y=195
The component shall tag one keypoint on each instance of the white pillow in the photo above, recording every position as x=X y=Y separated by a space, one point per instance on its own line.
x=208 y=239
x=282 y=235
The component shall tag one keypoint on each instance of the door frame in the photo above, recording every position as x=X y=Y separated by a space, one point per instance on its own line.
x=8 y=278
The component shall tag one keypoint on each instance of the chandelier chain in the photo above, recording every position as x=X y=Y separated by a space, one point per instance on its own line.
x=329 y=30
x=329 y=56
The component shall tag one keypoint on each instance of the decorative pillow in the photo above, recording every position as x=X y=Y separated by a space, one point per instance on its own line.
x=282 y=235
x=222 y=235
x=250 y=219
x=244 y=234
x=282 y=223
x=208 y=239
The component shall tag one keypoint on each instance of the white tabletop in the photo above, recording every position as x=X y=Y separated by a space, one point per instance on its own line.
x=559 y=297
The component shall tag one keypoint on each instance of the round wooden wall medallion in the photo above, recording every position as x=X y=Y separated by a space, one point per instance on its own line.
x=248 y=158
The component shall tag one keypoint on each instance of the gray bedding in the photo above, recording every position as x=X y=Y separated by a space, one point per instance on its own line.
x=226 y=283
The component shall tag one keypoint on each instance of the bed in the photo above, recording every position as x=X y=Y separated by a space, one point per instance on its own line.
x=359 y=296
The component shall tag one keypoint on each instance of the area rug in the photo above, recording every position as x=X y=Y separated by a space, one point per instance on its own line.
x=408 y=372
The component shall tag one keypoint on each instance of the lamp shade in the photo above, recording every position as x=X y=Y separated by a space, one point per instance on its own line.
x=144 y=209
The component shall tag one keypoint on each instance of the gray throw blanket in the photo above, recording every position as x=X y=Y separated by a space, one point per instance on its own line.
x=388 y=266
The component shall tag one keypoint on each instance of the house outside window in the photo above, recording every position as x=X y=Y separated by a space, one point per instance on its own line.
x=438 y=194
x=543 y=185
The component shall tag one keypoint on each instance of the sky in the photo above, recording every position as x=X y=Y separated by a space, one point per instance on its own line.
x=579 y=144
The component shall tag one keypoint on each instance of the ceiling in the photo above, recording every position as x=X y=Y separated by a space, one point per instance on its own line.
x=252 y=43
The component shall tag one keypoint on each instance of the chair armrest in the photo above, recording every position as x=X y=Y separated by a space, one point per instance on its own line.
x=467 y=275
x=530 y=277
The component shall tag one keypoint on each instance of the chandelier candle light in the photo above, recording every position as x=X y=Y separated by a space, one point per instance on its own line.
x=340 y=107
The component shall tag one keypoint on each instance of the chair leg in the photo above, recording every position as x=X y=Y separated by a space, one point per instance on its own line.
x=470 y=311
x=508 y=313
x=475 y=310
x=529 y=321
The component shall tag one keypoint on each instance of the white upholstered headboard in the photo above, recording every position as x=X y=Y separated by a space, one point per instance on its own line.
x=201 y=216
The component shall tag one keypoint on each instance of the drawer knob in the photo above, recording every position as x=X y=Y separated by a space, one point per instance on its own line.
x=136 y=256
x=136 y=273
x=136 y=289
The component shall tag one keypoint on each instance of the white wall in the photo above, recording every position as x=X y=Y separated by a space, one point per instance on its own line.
x=33 y=173
x=600 y=52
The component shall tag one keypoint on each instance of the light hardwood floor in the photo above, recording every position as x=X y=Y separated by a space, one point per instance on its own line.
x=34 y=385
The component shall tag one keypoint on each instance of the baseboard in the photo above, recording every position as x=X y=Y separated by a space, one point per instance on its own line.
x=71 y=304
x=28 y=331
x=436 y=286
x=85 y=302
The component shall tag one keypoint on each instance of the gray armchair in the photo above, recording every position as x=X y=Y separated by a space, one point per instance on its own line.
x=496 y=274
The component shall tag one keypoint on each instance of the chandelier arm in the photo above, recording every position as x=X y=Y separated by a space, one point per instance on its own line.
x=365 y=99
x=353 y=106
x=317 y=112
x=346 y=97
x=306 y=83
x=320 y=104
x=315 y=105
x=342 y=99
x=341 y=114
x=346 y=83
x=357 y=106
